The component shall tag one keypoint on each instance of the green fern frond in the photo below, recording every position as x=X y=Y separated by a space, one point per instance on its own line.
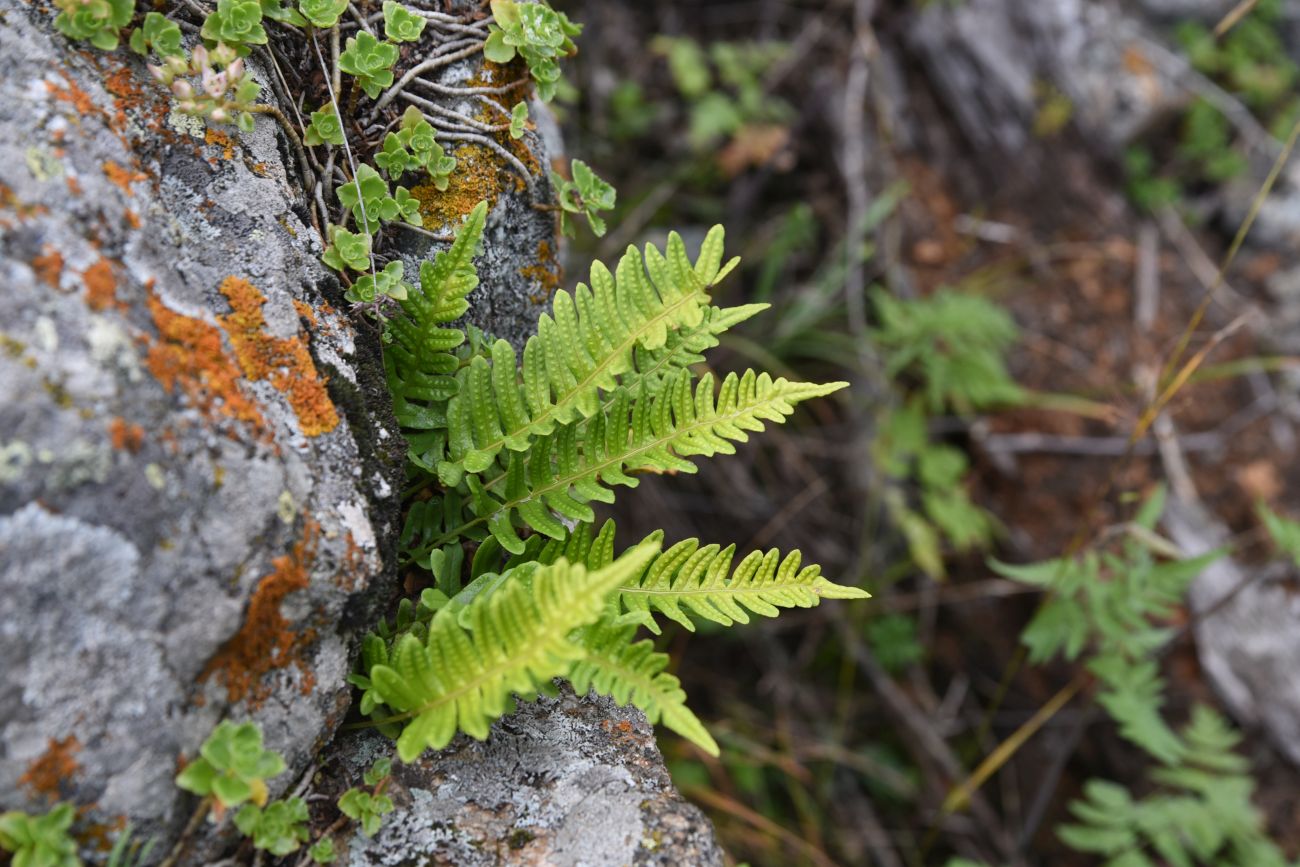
x=517 y=639
x=616 y=667
x=581 y=349
x=701 y=580
x=656 y=432
x=418 y=352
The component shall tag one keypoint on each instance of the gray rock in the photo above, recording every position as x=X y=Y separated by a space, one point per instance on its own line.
x=565 y=782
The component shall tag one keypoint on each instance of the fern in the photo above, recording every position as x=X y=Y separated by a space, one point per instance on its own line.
x=657 y=431
x=1200 y=814
x=582 y=348
x=517 y=639
x=702 y=581
x=418 y=355
x=699 y=579
x=1116 y=606
x=635 y=673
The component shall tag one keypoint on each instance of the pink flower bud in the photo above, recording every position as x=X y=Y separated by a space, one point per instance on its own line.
x=219 y=115
x=182 y=90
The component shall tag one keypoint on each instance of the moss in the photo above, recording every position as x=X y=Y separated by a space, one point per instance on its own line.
x=285 y=362
x=519 y=838
x=54 y=766
x=266 y=642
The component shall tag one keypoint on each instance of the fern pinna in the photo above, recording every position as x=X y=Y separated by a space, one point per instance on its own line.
x=507 y=455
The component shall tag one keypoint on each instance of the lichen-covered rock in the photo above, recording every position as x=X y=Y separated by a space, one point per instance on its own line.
x=199 y=473
x=563 y=782
x=197 y=481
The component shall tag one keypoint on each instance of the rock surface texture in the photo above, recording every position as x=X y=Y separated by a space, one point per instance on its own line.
x=565 y=781
x=199 y=475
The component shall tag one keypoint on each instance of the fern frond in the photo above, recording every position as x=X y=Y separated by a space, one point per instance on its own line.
x=700 y=579
x=581 y=349
x=616 y=667
x=517 y=639
x=418 y=353
x=657 y=431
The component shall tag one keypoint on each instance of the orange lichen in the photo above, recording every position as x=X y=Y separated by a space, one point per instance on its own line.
x=546 y=272
x=101 y=285
x=132 y=218
x=125 y=436
x=285 y=362
x=305 y=312
x=73 y=95
x=123 y=177
x=221 y=140
x=477 y=178
x=74 y=185
x=188 y=356
x=49 y=266
x=266 y=642
x=52 y=767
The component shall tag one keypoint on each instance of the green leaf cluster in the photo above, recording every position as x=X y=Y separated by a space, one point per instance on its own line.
x=40 y=841
x=279 y=828
x=368 y=197
x=324 y=127
x=586 y=195
x=537 y=33
x=401 y=24
x=414 y=147
x=367 y=808
x=232 y=767
x=99 y=21
x=370 y=61
x=158 y=33
x=235 y=22
x=952 y=344
x=723 y=85
x=322 y=13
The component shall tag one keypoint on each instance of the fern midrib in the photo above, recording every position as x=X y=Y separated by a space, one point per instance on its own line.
x=581 y=387
x=565 y=482
x=725 y=591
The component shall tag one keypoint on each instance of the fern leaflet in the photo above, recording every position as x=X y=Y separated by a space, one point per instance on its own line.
x=616 y=667
x=517 y=639
x=587 y=342
x=701 y=580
